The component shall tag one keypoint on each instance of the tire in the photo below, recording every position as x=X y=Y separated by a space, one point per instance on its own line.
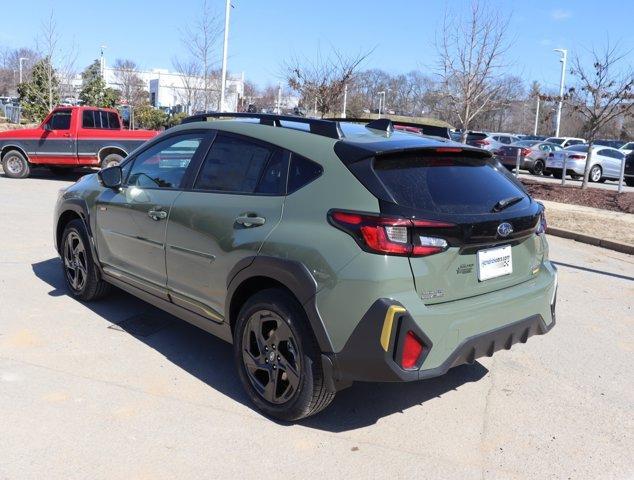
x=15 y=165
x=111 y=160
x=82 y=278
x=595 y=174
x=61 y=171
x=538 y=168
x=273 y=321
x=557 y=173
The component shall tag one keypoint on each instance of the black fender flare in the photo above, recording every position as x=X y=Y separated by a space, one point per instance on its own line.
x=290 y=273
x=80 y=207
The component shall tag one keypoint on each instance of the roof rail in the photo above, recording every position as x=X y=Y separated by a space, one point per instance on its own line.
x=318 y=126
x=388 y=125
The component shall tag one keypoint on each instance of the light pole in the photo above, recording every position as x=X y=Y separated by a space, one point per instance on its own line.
x=20 y=60
x=564 y=56
x=102 y=63
x=225 y=47
x=536 y=116
x=379 y=94
x=345 y=100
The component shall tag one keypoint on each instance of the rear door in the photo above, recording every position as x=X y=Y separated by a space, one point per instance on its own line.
x=610 y=161
x=132 y=221
x=232 y=206
x=485 y=254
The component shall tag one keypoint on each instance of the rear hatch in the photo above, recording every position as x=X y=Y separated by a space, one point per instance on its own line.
x=556 y=159
x=492 y=220
x=508 y=154
x=479 y=140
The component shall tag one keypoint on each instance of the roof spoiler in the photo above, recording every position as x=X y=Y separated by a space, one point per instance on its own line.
x=318 y=126
x=387 y=125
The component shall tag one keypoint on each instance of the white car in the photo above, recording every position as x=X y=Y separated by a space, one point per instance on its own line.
x=564 y=142
x=606 y=162
x=627 y=148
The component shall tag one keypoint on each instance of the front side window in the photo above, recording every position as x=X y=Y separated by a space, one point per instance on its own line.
x=164 y=164
x=60 y=120
x=236 y=165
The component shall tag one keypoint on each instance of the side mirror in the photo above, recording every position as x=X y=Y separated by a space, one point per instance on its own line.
x=111 y=177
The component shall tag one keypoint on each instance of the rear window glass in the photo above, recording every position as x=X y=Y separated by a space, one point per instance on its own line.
x=578 y=148
x=556 y=140
x=446 y=184
x=526 y=143
x=476 y=136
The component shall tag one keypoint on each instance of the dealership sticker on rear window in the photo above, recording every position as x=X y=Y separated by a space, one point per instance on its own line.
x=494 y=262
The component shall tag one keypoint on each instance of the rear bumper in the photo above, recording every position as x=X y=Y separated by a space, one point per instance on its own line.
x=365 y=358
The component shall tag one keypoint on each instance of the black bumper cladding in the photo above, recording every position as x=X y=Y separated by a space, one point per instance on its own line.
x=363 y=358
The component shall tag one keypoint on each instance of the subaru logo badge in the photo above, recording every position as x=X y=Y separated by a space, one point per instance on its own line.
x=505 y=229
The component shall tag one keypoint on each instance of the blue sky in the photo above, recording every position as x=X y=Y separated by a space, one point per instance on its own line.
x=265 y=32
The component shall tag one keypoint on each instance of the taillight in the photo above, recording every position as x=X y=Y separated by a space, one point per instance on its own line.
x=412 y=350
x=481 y=142
x=576 y=157
x=391 y=235
x=525 y=152
x=541 y=224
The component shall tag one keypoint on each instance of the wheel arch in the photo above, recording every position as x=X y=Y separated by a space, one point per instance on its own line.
x=107 y=150
x=7 y=148
x=253 y=274
x=72 y=209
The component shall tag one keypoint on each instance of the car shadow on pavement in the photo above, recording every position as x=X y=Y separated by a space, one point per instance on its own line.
x=72 y=175
x=211 y=360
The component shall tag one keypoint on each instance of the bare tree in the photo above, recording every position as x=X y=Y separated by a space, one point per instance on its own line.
x=10 y=68
x=323 y=78
x=202 y=39
x=190 y=91
x=60 y=64
x=130 y=84
x=602 y=94
x=471 y=52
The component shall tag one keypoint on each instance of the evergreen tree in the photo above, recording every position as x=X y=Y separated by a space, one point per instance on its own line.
x=41 y=92
x=94 y=91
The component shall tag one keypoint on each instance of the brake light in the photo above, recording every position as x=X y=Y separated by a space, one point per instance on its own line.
x=481 y=142
x=448 y=150
x=525 y=152
x=576 y=157
x=391 y=235
x=412 y=349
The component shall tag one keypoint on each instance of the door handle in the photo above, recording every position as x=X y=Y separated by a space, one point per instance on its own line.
x=250 y=220
x=157 y=214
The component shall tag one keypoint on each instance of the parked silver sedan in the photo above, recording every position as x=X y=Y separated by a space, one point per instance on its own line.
x=533 y=155
x=606 y=162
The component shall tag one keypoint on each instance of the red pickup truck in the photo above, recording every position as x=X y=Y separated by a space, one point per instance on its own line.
x=69 y=137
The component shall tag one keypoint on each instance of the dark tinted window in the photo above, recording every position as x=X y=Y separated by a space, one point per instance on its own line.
x=446 y=184
x=60 y=120
x=113 y=120
x=301 y=172
x=233 y=165
x=104 y=118
x=164 y=164
x=273 y=179
x=88 y=119
x=578 y=148
x=558 y=141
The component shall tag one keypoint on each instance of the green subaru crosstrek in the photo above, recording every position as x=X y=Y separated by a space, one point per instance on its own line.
x=327 y=252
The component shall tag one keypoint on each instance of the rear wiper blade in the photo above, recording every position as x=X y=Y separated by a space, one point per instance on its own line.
x=506 y=203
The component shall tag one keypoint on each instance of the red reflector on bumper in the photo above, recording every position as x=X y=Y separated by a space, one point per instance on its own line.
x=412 y=349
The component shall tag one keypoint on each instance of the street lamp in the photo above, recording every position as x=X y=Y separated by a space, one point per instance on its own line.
x=564 y=56
x=225 y=47
x=379 y=94
x=20 y=60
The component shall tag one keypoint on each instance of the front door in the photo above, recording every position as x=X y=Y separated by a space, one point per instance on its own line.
x=57 y=145
x=132 y=221
x=235 y=203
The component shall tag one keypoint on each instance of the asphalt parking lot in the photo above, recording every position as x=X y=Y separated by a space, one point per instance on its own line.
x=83 y=397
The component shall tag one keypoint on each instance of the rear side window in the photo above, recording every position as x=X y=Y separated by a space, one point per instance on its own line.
x=113 y=121
x=88 y=119
x=445 y=184
x=302 y=171
x=234 y=165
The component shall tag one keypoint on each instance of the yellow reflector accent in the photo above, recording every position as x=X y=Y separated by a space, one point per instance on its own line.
x=387 y=325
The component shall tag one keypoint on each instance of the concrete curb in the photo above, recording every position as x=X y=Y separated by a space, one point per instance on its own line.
x=599 y=242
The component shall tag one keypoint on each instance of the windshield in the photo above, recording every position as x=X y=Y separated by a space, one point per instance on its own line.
x=558 y=141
